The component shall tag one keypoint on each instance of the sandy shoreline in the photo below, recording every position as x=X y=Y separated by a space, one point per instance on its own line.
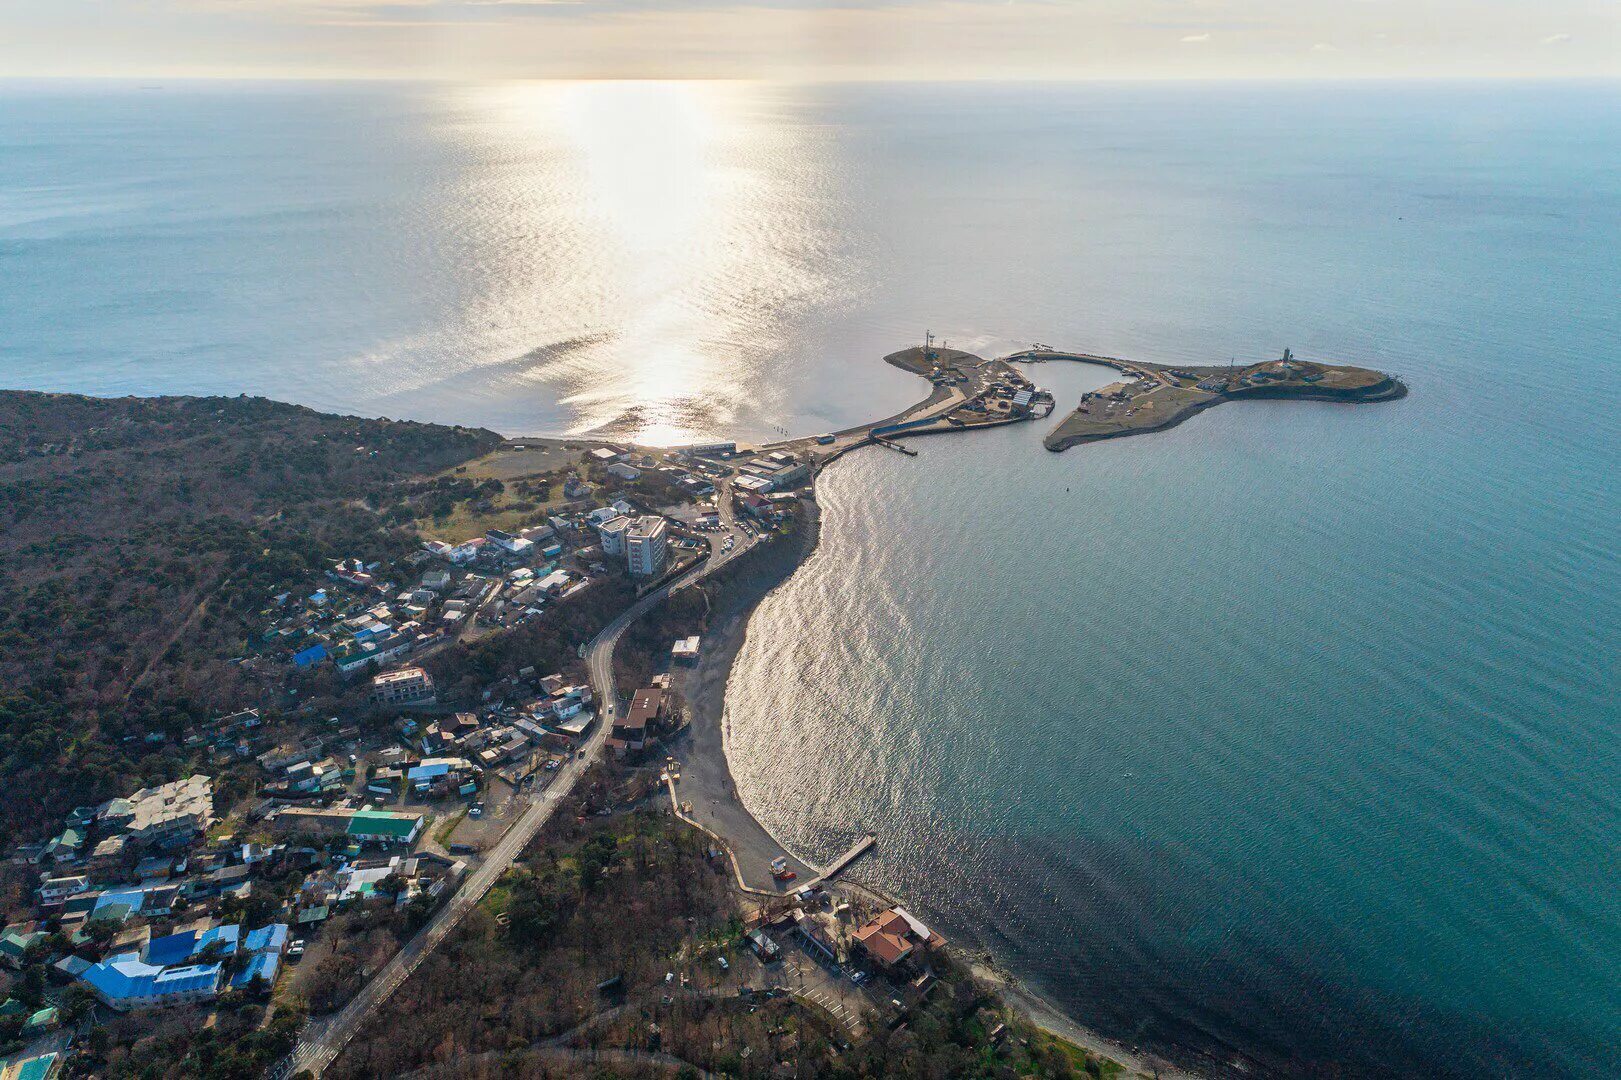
x=707 y=783
x=706 y=779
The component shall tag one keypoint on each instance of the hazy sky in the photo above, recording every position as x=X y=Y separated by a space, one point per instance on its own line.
x=853 y=39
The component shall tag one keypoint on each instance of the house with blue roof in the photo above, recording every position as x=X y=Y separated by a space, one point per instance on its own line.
x=126 y=982
x=265 y=966
x=181 y=947
x=272 y=938
x=309 y=657
x=129 y=900
x=167 y=974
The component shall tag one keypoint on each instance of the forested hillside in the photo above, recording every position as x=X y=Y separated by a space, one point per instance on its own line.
x=139 y=537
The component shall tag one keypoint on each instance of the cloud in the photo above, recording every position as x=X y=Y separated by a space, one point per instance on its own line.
x=1193 y=39
x=1556 y=39
x=1323 y=46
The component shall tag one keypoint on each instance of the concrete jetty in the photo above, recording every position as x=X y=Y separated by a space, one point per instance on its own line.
x=842 y=863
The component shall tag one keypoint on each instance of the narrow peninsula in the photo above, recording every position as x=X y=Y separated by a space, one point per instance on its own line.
x=1152 y=397
x=973 y=392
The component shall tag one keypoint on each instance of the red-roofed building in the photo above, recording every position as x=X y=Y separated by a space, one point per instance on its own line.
x=895 y=935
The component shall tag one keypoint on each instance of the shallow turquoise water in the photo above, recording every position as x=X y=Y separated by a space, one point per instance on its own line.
x=1289 y=733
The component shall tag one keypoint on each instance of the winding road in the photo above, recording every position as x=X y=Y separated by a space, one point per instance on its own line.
x=323 y=1040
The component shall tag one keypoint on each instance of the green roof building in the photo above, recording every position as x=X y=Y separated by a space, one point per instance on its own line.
x=43 y=1067
x=384 y=827
x=47 y=1019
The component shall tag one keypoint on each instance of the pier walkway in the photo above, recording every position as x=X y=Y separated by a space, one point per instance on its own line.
x=839 y=865
x=823 y=875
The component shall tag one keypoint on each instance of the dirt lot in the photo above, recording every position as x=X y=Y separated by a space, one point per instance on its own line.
x=502 y=805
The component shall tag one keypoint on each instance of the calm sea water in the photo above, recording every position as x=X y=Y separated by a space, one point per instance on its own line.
x=1289 y=735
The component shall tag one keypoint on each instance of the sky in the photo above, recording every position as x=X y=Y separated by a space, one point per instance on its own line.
x=807 y=39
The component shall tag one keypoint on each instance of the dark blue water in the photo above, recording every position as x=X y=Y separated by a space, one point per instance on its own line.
x=1288 y=736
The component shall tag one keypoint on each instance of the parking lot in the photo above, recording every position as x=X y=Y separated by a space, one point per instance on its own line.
x=808 y=975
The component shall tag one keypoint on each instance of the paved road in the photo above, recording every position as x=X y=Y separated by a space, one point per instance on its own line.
x=324 y=1039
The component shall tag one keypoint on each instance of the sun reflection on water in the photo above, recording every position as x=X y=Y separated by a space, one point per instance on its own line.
x=653 y=237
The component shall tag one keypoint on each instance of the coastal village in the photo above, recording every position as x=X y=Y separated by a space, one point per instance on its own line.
x=401 y=772
x=178 y=899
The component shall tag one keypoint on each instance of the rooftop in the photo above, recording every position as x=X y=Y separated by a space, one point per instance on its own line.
x=404 y=674
x=383 y=823
x=188 y=801
x=644 y=707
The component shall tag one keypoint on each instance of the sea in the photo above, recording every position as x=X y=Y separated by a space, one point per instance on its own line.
x=1285 y=742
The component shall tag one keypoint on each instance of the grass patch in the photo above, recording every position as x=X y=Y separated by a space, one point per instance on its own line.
x=509 y=514
x=442 y=834
x=498 y=899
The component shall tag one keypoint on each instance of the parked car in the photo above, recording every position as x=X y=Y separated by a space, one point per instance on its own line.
x=477 y=810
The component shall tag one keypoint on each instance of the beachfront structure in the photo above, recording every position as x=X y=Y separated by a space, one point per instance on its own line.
x=647 y=545
x=894 y=935
x=714 y=449
x=791 y=475
x=630 y=731
x=407 y=686
x=685 y=650
x=612 y=535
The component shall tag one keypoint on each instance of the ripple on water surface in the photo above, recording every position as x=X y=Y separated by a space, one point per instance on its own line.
x=1248 y=735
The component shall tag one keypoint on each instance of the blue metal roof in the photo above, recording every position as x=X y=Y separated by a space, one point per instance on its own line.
x=171 y=949
x=312 y=655
x=178 y=948
x=264 y=966
x=134 y=898
x=184 y=980
x=126 y=979
x=229 y=935
x=429 y=771
x=272 y=938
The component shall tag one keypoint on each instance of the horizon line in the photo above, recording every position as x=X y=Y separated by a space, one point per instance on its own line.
x=815 y=80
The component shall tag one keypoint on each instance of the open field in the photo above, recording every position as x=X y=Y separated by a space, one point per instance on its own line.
x=507 y=488
x=537 y=456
